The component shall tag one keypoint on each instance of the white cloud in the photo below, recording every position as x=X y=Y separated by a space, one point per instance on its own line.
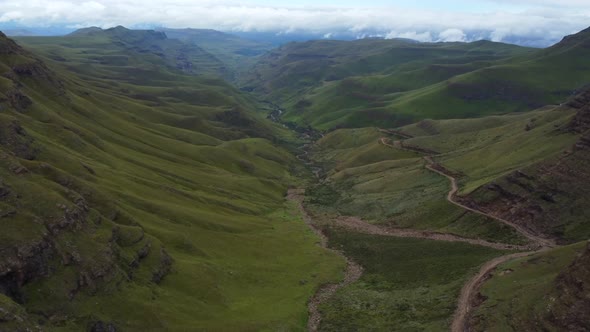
x=452 y=35
x=555 y=3
x=542 y=21
x=499 y=34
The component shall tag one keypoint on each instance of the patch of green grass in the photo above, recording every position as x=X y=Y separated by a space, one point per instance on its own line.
x=349 y=148
x=408 y=284
x=486 y=148
x=219 y=281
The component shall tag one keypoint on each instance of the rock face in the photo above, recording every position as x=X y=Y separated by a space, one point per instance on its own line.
x=27 y=71
x=21 y=264
x=570 y=311
x=581 y=121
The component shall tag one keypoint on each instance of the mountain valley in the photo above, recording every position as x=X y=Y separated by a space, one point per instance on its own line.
x=193 y=180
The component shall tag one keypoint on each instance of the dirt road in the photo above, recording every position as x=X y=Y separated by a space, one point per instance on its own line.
x=470 y=289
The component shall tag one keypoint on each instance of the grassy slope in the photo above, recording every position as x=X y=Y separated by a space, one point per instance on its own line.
x=382 y=184
x=331 y=83
x=523 y=161
x=521 y=294
x=174 y=173
x=408 y=284
x=484 y=149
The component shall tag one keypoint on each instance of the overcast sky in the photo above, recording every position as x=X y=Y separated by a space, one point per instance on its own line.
x=539 y=23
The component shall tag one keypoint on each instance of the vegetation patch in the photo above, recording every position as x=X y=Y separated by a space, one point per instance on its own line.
x=407 y=284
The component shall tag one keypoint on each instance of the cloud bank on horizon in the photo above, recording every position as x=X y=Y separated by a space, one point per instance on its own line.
x=525 y=22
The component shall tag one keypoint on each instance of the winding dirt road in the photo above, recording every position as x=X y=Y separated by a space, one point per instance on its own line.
x=431 y=165
x=539 y=241
x=470 y=289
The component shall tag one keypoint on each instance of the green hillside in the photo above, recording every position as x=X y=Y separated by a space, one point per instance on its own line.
x=330 y=84
x=136 y=197
x=334 y=83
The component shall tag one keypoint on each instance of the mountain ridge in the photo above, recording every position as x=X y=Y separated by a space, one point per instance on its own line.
x=486 y=78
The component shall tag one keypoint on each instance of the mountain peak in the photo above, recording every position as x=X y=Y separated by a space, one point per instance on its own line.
x=7 y=45
x=134 y=35
x=118 y=28
x=86 y=31
x=582 y=37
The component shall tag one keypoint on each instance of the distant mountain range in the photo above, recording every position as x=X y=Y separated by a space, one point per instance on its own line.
x=277 y=38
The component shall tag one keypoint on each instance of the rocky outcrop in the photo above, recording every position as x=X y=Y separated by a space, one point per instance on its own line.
x=15 y=138
x=18 y=100
x=28 y=71
x=13 y=317
x=22 y=264
x=164 y=268
x=35 y=73
x=101 y=326
x=7 y=45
